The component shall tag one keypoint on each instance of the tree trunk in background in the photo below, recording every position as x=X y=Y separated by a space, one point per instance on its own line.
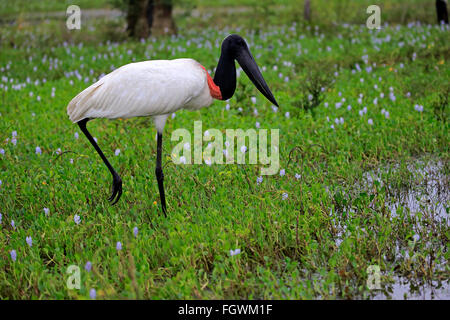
x=307 y=10
x=137 y=20
x=442 y=13
x=163 y=22
x=145 y=17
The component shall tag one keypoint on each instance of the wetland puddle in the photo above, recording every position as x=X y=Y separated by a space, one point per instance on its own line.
x=418 y=192
x=426 y=192
x=426 y=195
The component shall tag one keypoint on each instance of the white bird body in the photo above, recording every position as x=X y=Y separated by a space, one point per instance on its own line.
x=150 y=88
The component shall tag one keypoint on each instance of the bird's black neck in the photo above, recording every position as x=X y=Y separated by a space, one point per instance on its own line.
x=225 y=76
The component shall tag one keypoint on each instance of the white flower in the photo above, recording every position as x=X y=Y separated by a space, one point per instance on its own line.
x=243 y=149
x=253 y=100
x=287 y=114
x=117 y=152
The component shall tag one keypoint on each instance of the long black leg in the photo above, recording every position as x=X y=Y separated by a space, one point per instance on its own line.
x=117 y=181
x=159 y=174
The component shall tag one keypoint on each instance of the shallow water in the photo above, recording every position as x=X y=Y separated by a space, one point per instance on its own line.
x=403 y=289
x=428 y=191
x=428 y=194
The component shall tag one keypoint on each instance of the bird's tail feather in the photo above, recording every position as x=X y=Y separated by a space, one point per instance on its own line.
x=80 y=104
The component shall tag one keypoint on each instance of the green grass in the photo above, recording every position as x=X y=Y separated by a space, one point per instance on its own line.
x=317 y=243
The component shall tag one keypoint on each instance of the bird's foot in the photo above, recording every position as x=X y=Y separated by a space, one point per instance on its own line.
x=116 y=189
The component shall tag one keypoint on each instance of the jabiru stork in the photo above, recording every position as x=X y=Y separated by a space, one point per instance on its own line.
x=158 y=88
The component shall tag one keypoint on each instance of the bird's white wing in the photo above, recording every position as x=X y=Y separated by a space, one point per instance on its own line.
x=146 y=88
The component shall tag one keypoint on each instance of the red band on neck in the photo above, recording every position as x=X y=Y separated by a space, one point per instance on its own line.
x=214 y=90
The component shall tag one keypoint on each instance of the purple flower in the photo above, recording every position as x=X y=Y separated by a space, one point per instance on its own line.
x=77 y=219
x=135 y=231
x=282 y=172
x=117 y=152
x=46 y=211
x=118 y=246
x=92 y=294
x=38 y=150
x=88 y=266
x=284 y=196
x=235 y=252
x=13 y=255
x=13 y=224
x=29 y=241
x=418 y=108
x=259 y=180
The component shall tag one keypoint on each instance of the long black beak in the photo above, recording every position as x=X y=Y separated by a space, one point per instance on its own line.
x=250 y=67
